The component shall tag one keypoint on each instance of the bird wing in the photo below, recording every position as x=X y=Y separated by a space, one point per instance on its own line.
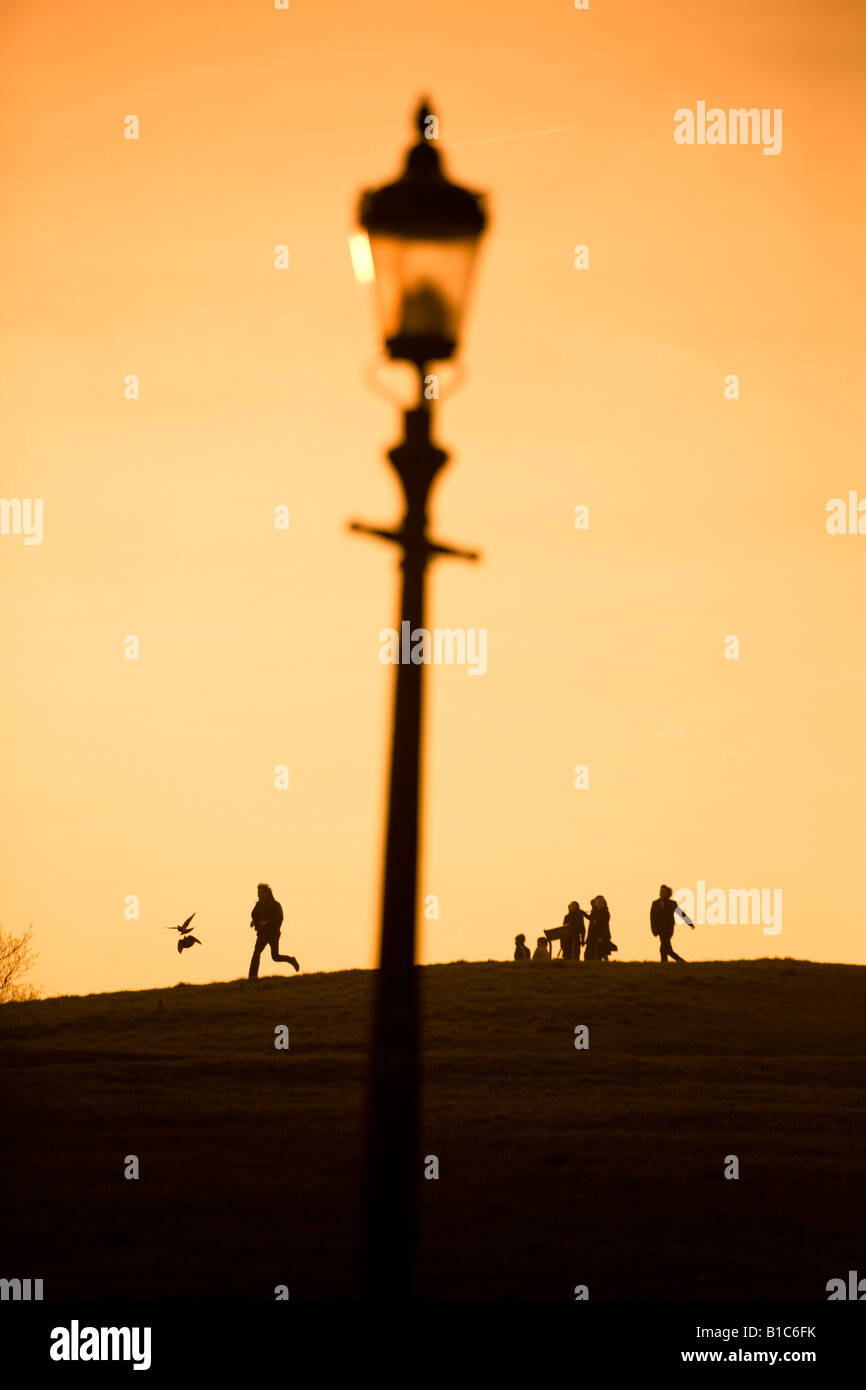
x=193 y=941
x=185 y=926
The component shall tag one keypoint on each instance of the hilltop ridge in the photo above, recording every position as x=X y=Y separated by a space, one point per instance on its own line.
x=558 y=1165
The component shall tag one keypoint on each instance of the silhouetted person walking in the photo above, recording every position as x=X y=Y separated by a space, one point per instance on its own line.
x=575 y=934
x=521 y=950
x=598 y=942
x=267 y=919
x=662 y=914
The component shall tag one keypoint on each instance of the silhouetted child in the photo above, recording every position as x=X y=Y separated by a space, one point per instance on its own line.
x=542 y=949
x=521 y=950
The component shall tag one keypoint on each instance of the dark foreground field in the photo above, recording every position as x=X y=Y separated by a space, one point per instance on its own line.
x=558 y=1167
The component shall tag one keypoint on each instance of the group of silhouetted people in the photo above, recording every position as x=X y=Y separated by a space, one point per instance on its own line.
x=594 y=937
x=580 y=931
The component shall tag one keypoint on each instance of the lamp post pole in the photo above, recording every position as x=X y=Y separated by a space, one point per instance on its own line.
x=392 y=1159
x=423 y=232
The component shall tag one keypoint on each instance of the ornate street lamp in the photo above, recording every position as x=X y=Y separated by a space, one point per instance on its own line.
x=423 y=233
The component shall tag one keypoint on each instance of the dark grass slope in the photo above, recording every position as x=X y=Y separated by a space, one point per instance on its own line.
x=557 y=1167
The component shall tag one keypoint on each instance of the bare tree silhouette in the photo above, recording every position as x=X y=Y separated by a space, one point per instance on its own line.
x=16 y=958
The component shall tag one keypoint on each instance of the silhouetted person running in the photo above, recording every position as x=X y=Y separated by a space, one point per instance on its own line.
x=267 y=919
x=662 y=914
x=574 y=931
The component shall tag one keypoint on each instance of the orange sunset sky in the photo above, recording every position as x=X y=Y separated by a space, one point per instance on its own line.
x=602 y=387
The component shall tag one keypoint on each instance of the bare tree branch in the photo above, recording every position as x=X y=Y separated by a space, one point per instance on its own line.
x=16 y=958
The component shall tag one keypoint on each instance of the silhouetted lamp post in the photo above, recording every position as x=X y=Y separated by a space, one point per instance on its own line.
x=423 y=232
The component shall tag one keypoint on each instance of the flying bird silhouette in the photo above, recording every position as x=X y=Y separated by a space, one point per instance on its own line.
x=186 y=937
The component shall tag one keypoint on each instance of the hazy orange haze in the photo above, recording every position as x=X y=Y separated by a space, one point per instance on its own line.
x=601 y=387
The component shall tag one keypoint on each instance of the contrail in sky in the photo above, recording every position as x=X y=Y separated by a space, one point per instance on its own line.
x=524 y=135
